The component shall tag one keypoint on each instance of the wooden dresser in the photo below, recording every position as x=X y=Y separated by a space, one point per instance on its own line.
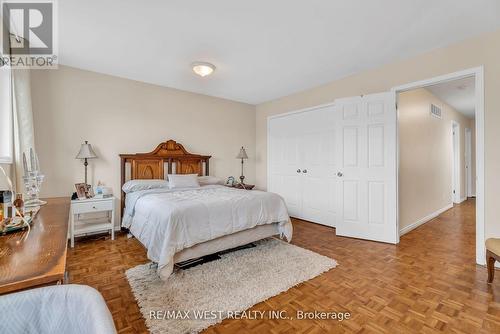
x=41 y=258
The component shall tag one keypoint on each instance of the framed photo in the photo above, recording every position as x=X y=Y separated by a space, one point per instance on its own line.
x=81 y=190
x=90 y=192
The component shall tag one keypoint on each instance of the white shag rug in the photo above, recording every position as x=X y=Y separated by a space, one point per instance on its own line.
x=234 y=283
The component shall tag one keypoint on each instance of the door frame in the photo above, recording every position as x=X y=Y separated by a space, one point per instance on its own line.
x=456 y=180
x=468 y=162
x=478 y=74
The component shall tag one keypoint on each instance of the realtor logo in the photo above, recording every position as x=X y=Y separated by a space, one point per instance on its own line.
x=29 y=33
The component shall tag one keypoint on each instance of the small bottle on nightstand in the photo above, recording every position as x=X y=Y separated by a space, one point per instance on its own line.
x=19 y=205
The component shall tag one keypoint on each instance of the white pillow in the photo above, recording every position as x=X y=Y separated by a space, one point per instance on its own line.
x=209 y=180
x=183 y=181
x=136 y=185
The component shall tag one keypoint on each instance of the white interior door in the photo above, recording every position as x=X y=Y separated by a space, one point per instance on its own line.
x=366 y=175
x=284 y=168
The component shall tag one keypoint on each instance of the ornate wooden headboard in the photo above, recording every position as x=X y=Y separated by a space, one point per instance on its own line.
x=152 y=165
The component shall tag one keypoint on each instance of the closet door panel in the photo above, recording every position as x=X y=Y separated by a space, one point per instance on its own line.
x=314 y=187
x=284 y=163
x=304 y=163
x=317 y=147
x=289 y=186
x=332 y=167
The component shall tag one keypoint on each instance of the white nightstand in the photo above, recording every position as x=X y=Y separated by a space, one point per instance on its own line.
x=92 y=205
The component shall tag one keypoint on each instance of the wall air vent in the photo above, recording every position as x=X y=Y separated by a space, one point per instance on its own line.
x=436 y=111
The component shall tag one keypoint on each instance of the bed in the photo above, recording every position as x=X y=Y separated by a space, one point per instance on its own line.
x=176 y=225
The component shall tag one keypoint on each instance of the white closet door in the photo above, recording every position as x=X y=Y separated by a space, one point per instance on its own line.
x=366 y=138
x=285 y=173
x=330 y=155
x=314 y=148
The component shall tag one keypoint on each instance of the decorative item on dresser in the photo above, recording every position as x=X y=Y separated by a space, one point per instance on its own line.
x=243 y=156
x=152 y=165
x=86 y=152
x=41 y=258
x=13 y=216
x=32 y=179
x=92 y=205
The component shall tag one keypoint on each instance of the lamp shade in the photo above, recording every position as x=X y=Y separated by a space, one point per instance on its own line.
x=242 y=154
x=86 y=152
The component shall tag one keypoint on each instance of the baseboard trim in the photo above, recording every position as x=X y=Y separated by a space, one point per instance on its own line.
x=460 y=200
x=424 y=220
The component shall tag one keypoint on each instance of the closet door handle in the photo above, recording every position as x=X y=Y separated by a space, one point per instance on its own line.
x=298 y=170
x=304 y=171
x=339 y=174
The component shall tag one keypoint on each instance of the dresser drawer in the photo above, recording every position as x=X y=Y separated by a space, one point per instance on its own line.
x=92 y=207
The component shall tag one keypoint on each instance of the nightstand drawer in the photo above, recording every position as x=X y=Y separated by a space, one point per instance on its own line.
x=95 y=206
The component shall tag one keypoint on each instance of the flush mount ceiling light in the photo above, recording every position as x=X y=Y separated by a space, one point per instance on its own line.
x=202 y=69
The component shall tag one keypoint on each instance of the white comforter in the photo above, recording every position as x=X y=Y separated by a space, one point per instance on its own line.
x=68 y=308
x=167 y=221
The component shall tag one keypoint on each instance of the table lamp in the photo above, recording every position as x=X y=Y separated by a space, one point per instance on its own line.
x=243 y=156
x=86 y=152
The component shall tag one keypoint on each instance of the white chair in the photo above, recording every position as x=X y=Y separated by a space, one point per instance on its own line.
x=70 y=309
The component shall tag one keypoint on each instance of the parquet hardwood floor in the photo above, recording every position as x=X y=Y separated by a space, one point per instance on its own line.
x=429 y=283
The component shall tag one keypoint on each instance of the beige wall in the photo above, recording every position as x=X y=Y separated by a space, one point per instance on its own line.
x=483 y=50
x=123 y=116
x=425 y=156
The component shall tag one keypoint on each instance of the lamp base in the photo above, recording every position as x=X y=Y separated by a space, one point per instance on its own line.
x=242 y=178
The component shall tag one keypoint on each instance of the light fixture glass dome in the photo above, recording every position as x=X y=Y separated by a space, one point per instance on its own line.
x=203 y=69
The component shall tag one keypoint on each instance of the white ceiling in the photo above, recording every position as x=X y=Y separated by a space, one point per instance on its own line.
x=460 y=94
x=262 y=49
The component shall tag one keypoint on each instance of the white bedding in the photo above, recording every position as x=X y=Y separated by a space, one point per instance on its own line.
x=68 y=308
x=167 y=221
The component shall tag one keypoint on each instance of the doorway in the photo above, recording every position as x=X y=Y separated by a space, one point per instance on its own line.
x=371 y=148
x=460 y=182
